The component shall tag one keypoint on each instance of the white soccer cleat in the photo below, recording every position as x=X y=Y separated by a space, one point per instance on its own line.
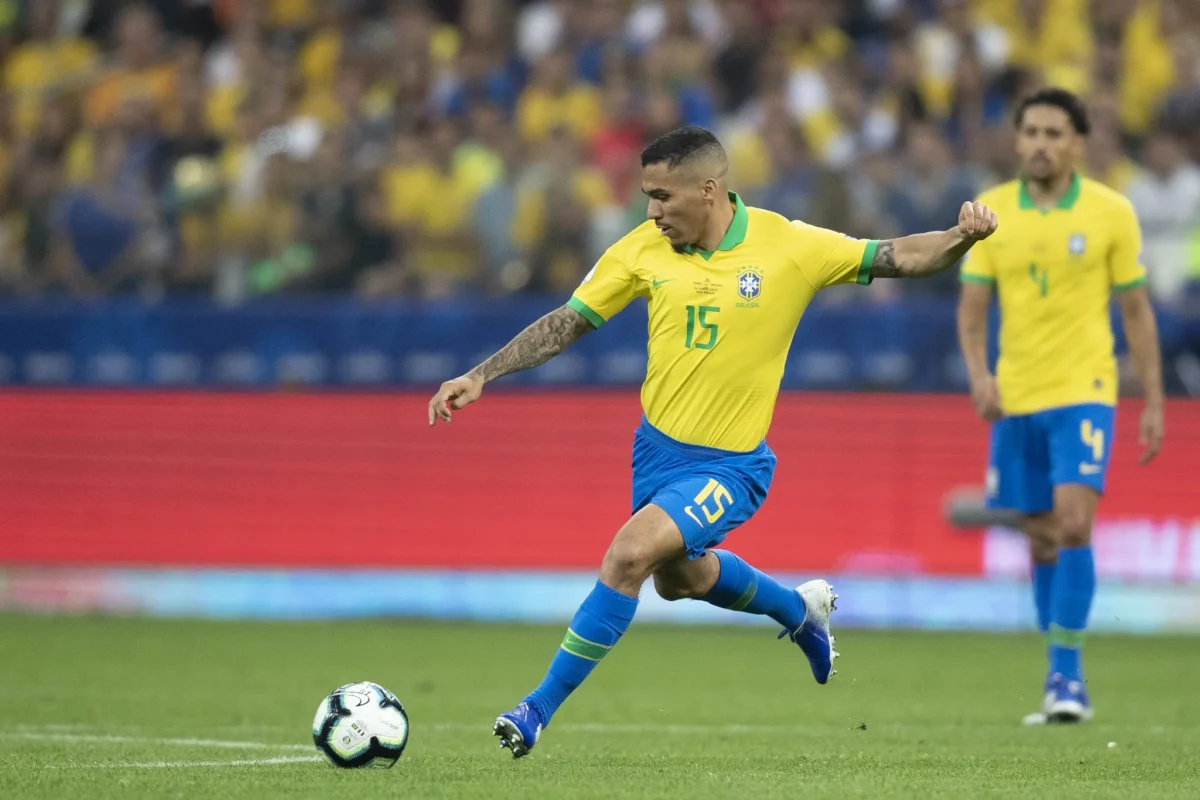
x=1043 y=717
x=813 y=634
x=1065 y=703
x=1070 y=704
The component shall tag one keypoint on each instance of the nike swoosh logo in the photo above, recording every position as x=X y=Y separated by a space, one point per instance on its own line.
x=688 y=511
x=657 y=283
x=1090 y=469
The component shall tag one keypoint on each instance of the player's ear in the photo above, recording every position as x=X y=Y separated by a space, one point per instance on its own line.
x=709 y=189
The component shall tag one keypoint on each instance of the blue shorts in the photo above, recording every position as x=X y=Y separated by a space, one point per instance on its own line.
x=1033 y=453
x=706 y=492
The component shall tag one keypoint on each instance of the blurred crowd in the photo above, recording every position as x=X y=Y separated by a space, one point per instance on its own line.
x=238 y=148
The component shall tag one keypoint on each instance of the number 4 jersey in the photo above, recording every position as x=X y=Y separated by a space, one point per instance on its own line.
x=721 y=321
x=1054 y=271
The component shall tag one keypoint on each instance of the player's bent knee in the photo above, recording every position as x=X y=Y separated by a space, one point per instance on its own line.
x=627 y=561
x=1074 y=530
x=638 y=549
x=1074 y=510
x=671 y=590
x=685 y=578
x=1043 y=550
x=643 y=544
x=1043 y=541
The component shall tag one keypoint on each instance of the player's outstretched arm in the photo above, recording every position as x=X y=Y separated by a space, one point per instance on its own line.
x=532 y=347
x=1141 y=329
x=925 y=254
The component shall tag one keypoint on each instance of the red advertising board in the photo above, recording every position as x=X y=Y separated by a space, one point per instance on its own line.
x=535 y=480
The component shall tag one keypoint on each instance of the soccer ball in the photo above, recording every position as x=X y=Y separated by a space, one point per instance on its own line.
x=361 y=725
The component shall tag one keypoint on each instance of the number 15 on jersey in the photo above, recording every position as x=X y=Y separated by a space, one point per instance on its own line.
x=706 y=337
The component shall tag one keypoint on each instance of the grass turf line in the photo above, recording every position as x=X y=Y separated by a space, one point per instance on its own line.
x=672 y=712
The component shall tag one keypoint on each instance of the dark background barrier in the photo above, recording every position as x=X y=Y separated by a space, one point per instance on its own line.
x=843 y=343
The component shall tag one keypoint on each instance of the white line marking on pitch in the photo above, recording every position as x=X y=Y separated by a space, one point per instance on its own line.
x=653 y=727
x=109 y=739
x=243 y=762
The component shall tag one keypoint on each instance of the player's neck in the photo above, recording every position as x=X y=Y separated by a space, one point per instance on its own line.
x=1046 y=193
x=718 y=225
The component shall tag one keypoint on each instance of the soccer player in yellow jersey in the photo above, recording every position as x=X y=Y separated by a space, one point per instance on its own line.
x=726 y=286
x=1068 y=244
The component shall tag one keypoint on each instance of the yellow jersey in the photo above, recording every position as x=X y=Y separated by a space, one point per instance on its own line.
x=1054 y=271
x=721 y=321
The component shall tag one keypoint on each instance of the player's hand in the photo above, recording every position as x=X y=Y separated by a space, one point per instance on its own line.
x=986 y=399
x=454 y=394
x=976 y=221
x=1152 y=429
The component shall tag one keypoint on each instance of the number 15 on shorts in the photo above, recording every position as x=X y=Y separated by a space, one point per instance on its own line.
x=718 y=495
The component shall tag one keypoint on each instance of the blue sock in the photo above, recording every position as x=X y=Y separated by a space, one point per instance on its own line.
x=596 y=627
x=741 y=587
x=1074 y=587
x=1043 y=592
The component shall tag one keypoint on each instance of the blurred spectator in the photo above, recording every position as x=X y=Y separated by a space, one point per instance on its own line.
x=695 y=19
x=101 y=231
x=799 y=188
x=140 y=72
x=670 y=66
x=1052 y=38
x=599 y=39
x=45 y=64
x=618 y=143
x=540 y=27
x=556 y=98
x=483 y=73
x=1107 y=161
x=557 y=197
x=1166 y=195
x=27 y=227
x=929 y=192
x=1135 y=33
x=854 y=125
x=810 y=32
x=236 y=148
x=737 y=63
x=1180 y=110
x=444 y=249
x=941 y=44
x=496 y=210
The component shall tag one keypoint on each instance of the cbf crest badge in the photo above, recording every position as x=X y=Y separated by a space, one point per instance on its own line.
x=749 y=282
x=1077 y=244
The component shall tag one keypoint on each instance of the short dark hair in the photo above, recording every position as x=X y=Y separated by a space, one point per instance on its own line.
x=683 y=145
x=1069 y=102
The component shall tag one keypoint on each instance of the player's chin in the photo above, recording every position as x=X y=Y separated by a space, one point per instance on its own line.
x=1041 y=169
x=677 y=242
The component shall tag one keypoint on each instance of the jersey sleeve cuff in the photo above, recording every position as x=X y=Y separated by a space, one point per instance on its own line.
x=586 y=312
x=967 y=277
x=1133 y=284
x=868 y=260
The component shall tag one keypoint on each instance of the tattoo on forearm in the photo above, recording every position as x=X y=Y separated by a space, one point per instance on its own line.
x=884 y=265
x=535 y=345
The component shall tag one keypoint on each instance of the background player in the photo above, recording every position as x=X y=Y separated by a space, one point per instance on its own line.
x=726 y=286
x=1067 y=243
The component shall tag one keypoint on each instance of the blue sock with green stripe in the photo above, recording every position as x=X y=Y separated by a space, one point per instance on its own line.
x=1043 y=592
x=1074 y=587
x=598 y=624
x=740 y=587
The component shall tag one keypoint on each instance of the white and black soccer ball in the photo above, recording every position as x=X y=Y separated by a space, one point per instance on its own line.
x=361 y=725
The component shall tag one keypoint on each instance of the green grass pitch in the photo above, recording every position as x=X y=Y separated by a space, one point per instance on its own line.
x=127 y=708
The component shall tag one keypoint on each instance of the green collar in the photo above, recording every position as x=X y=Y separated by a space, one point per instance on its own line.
x=1065 y=203
x=736 y=233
